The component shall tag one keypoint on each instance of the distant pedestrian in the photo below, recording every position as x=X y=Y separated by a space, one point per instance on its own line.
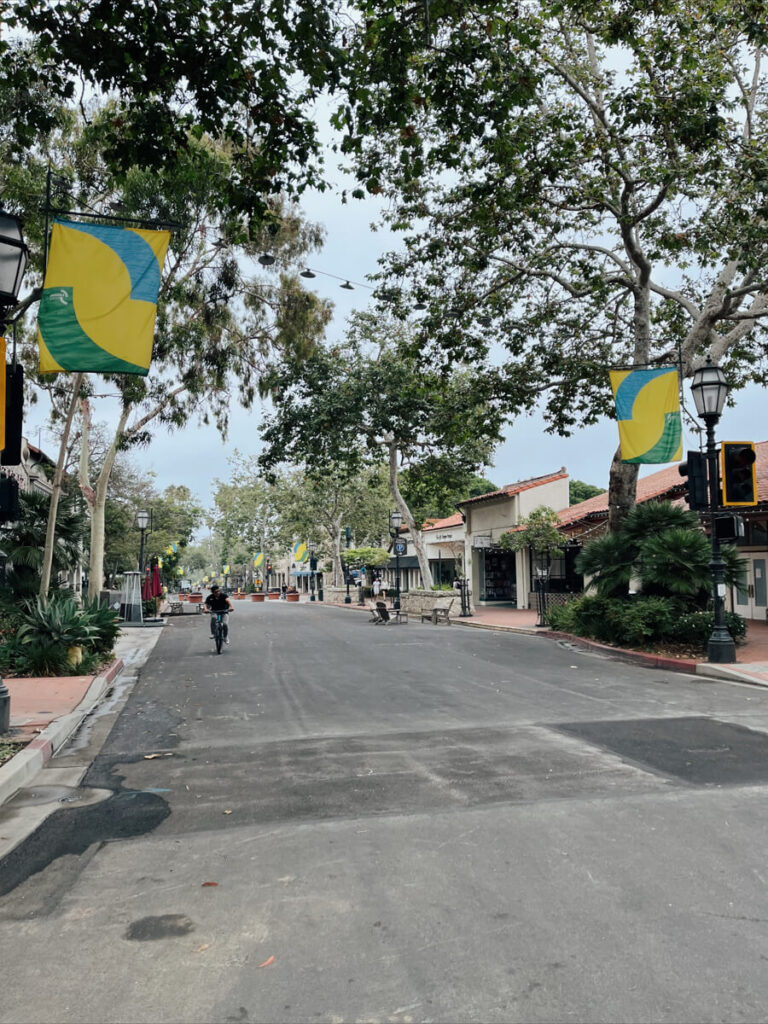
x=376 y=587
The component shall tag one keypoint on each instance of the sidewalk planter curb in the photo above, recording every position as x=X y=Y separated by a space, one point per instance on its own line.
x=24 y=766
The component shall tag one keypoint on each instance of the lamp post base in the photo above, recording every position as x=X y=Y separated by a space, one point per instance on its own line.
x=5 y=708
x=721 y=650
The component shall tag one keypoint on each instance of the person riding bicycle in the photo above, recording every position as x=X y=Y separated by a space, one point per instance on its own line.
x=218 y=601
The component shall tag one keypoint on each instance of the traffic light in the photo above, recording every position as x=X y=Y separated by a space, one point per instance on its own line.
x=9 y=499
x=269 y=568
x=13 y=415
x=738 y=471
x=695 y=468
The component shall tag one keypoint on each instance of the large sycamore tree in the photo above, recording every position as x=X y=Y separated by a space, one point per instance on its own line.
x=582 y=183
x=370 y=402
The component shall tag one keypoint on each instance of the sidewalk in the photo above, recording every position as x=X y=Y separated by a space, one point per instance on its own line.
x=45 y=712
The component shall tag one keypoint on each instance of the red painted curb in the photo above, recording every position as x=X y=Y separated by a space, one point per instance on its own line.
x=649 y=660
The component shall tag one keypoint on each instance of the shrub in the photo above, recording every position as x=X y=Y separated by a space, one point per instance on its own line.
x=695 y=628
x=630 y=622
x=105 y=621
x=42 y=656
x=59 y=620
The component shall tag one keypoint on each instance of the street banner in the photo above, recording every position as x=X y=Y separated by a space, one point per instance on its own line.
x=300 y=553
x=648 y=412
x=99 y=302
x=258 y=559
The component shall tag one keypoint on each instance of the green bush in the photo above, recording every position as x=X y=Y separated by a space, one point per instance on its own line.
x=695 y=628
x=105 y=621
x=60 y=620
x=42 y=656
x=629 y=622
x=442 y=586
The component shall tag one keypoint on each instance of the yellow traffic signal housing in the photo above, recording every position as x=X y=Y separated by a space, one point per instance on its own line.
x=737 y=464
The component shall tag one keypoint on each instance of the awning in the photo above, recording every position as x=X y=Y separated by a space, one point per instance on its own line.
x=302 y=572
x=405 y=561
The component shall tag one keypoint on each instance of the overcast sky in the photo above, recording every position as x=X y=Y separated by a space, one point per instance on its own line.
x=196 y=456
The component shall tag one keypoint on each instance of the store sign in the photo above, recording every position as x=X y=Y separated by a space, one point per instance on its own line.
x=482 y=542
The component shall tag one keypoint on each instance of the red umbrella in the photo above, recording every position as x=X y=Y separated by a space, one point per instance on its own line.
x=157 y=586
x=146 y=587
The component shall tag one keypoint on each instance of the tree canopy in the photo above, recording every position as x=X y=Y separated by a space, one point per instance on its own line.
x=582 y=184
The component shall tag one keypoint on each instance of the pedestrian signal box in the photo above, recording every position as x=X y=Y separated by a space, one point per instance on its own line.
x=695 y=469
x=738 y=473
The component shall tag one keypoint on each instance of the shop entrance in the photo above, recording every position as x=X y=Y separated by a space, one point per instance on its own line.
x=498 y=575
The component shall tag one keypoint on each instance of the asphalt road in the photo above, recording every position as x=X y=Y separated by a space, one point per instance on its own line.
x=339 y=822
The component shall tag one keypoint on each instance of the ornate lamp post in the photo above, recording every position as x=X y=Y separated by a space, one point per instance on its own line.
x=312 y=568
x=143 y=520
x=13 y=263
x=348 y=536
x=709 y=390
x=543 y=570
x=395 y=522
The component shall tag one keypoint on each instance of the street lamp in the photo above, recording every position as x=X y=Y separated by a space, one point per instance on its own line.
x=13 y=259
x=709 y=390
x=542 y=577
x=312 y=568
x=348 y=536
x=395 y=522
x=13 y=263
x=142 y=521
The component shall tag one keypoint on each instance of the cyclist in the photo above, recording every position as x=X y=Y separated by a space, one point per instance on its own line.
x=218 y=601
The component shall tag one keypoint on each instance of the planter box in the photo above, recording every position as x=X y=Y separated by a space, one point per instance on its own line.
x=238 y=597
x=274 y=597
x=182 y=597
x=195 y=598
x=291 y=597
x=257 y=597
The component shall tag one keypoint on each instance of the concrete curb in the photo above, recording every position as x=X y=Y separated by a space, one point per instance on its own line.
x=24 y=766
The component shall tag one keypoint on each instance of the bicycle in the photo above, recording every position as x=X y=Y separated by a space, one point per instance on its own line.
x=218 y=633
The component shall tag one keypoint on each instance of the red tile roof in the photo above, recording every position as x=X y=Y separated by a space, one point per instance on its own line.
x=443 y=524
x=658 y=485
x=509 y=490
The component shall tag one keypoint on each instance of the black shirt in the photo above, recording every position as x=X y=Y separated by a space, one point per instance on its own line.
x=218 y=602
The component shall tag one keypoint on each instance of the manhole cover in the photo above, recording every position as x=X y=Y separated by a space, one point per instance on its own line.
x=702 y=751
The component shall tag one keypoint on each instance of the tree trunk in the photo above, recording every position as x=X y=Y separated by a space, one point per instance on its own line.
x=50 y=535
x=97 y=499
x=415 y=533
x=622 y=491
x=338 y=571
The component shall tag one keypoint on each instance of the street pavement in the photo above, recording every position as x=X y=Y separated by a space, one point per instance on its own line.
x=335 y=821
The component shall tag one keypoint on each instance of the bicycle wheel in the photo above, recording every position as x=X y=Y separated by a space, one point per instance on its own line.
x=219 y=638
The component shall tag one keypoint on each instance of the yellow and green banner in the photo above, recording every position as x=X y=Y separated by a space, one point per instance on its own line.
x=648 y=411
x=99 y=302
x=300 y=553
x=258 y=559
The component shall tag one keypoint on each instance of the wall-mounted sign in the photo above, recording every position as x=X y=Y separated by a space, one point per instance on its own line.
x=482 y=541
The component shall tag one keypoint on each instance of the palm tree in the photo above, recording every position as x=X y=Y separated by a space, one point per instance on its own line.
x=24 y=540
x=661 y=545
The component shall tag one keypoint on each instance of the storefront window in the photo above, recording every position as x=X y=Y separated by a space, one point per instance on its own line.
x=498 y=581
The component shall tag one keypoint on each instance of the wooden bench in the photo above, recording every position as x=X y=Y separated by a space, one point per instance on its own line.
x=440 y=613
